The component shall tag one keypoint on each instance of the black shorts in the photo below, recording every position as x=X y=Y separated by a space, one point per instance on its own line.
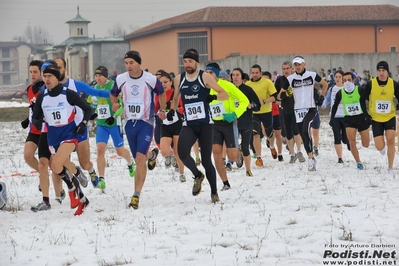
x=380 y=127
x=33 y=137
x=267 y=120
x=171 y=130
x=224 y=132
x=357 y=122
x=43 y=149
x=276 y=122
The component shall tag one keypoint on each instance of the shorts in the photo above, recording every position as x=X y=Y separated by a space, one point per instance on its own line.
x=84 y=136
x=379 y=127
x=103 y=133
x=168 y=131
x=43 y=149
x=276 y=122
x=139 y=135
x=33 y=138
x=316 y=121
x=54 y=149
x=356 y=122
x=224 y=132
x=267 y=120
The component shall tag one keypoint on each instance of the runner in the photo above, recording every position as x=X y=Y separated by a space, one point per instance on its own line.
x=193 y=86
x=355 y=115
x=138 y=88
x=380 y=92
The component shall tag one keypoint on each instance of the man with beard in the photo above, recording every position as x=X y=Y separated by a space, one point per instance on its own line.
x=193 y=86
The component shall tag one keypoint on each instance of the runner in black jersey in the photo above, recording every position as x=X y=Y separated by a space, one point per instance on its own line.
x=193 y=86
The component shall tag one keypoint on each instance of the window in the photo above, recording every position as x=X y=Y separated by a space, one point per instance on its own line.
x=6 y=80
x=6 y=66
x=393 y=49
x=196 y=40
x=81 y=31
x=6 y=52
x=78 y=31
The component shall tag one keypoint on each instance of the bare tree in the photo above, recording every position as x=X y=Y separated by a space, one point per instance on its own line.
x=116 y=30
x=35 y=35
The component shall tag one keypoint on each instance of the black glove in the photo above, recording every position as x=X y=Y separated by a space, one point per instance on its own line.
x=110 y=120
x=93 y=116
x=397 y=106
x=211 y=98
x=80 y=129
x=331 y=123
x=320 y=101
x=25 y=123
x=170 y=115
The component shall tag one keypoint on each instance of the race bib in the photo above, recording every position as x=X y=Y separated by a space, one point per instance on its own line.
x=382 y=107
x=167 y=122
x=56 y=116
x=217 y=110
x=195 y=111
x=236 y=103
x=103 y=111
x=353 y=109
x=300 y=114
x=134 y=110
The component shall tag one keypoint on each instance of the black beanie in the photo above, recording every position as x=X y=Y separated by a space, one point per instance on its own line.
x=102 y=70
x=383 y=65
x=54 y=70
x=134 y=55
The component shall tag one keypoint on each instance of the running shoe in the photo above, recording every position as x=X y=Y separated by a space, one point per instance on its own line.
x=167 y=161
x=312 y=164
x=300 y=157
x=197 y=161
x=73 y=197
x=3 y=195
x=197 y=187
x=182 y=178
x=61 y=197
x=229 y=167
x=225 y=187
x=83 y=203
x=340 y=160
x=101 y=183
x=153 y=162
x=174 y=161
x=240 y=160
x=42 y=206
x=94 y=178
x=259 y=162
x=248 y=173
x=360 y=166
x=280 y=158
x=215 y=198
x=81 y=177
x=134 y=202
x=274 y=153
x=132 y=170
x=293 y=158
x=316 y=151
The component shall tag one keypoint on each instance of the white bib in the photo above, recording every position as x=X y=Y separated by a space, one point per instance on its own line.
x=217 y=110
x=353 y=109
x=56 y=116
x=134 y=110
x=167 y=122
x=300 y=114
x=195 y=111
x=103 y=111
x=382 y=107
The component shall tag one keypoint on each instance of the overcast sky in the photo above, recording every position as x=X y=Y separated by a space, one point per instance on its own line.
x=16 y=15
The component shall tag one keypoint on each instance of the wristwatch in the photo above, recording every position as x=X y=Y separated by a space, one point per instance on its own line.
x=264 y=101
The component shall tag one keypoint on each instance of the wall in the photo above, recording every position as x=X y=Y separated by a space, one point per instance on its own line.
x=313 y=61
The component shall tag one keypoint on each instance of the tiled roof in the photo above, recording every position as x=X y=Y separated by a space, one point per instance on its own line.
x=82 y=41
x=263 y=15
x=12 y=44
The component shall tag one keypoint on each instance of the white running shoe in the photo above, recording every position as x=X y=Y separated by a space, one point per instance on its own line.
x=312 y=164
x=3 y=195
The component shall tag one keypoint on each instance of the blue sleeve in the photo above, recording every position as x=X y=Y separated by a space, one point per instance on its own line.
x=83 y=87
x=158 y=87
x=327 y=99
x=115 y=90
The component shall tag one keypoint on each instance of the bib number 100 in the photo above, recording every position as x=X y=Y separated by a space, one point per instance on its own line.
x=134 y=108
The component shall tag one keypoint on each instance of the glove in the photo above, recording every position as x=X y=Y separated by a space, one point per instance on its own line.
x=93 y=116
x=330 y=123
x=110 y=120
x=320 y=101
x=25 y=123
x=210 y=98
x=170 y=115
x=397 y=106
x=230 y=117
x=80 y=129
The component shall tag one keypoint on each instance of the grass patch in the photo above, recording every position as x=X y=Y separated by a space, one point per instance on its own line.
x=12 y=114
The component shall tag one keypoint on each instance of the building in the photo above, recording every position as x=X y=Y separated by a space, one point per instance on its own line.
x=14 y=62
x=83 y=54
x=220 y=32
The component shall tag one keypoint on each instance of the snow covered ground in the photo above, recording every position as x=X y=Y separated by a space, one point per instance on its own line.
x=283 y=215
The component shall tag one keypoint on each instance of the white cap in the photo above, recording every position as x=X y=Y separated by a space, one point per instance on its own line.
x=298 y=60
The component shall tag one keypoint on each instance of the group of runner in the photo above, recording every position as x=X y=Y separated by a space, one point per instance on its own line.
x=190 y=108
